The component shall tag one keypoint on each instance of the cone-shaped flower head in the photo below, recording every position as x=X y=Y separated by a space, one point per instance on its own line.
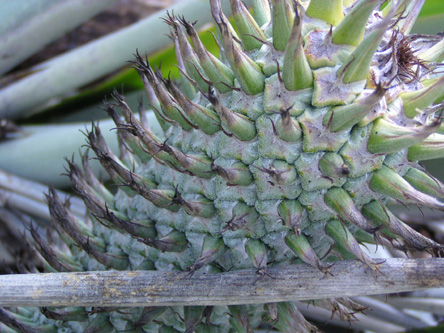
x=284 y=149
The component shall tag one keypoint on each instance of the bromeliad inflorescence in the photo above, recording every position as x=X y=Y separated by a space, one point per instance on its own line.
x=284 y=149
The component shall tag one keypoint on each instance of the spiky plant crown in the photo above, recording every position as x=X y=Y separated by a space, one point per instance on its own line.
x=285 y=149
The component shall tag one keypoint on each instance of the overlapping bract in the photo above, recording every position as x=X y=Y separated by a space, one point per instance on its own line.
x=284 y=149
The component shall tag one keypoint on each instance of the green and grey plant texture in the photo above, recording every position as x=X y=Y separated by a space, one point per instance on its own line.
x=286 y=149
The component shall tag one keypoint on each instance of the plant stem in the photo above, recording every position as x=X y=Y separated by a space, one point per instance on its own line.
x=154 y=288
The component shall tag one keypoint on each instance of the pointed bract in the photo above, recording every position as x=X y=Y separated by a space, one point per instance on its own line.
x=174 y=241
x=249 y=32
x=207 y=120
x=297 y=73
x=410 y=11
x=212 y=248
x=257 y=252
x=343 y=118
x=221 y=75
x=330 y=11
x=416 y=101
x=237 y=174
x=388 y=137
x=381 y=216
x=301 y=247
x=344 y=237
x=425 y=183
x=352 y=28
x=238 y=124
x=291 y=211
x=429 y=149
x=190 y=60
x=283 y=17
x=261 y=11
x=167 y=104
x=388 y=182
x=247 y=72
x=332 y=165
x=288 y=128
x=356 y=66
x=433 y=54
x=340 y=201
